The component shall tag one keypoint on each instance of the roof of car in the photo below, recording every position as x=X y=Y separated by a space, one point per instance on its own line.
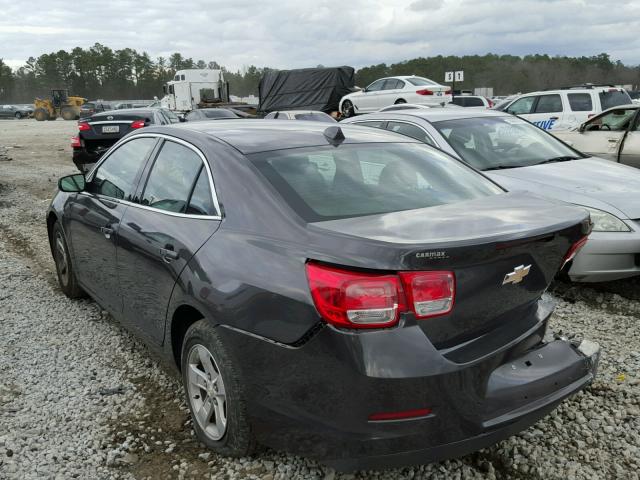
x=253 y=136
x=434 y=114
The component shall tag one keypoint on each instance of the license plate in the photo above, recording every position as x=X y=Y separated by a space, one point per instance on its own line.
x=111 y=129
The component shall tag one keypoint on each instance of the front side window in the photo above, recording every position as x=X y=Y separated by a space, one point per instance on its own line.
x=410 y=130
x=490 y=143
x=614 y=121
x=522 y=106
x=549 y=104
x=115 y=176
x=351 y=180
x=376 y=86
x=172 y=178
x=580 y=102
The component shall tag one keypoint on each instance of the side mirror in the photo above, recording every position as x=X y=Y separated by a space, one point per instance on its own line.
x=582 y=128
x=72 y=183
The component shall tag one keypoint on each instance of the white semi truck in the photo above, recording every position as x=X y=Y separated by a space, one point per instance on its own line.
x=191 y=89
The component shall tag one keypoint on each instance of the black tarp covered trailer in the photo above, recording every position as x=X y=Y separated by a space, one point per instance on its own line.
x=305 y=89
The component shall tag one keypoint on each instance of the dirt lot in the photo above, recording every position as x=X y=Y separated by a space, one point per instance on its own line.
x=81 y=398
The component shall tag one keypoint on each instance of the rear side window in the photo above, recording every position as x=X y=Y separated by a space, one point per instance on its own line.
x=580 y=102
x=116 y=175
x=324 y=183
x=172 y=178
x=474 y=102
x=372 y=123
x=549 y=104
x=410 y=130
x=390 y=84
x=613 y=98
x=201 y=202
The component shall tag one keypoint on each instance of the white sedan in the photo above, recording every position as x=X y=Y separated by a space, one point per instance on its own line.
x=394 y=90
x=614 y=135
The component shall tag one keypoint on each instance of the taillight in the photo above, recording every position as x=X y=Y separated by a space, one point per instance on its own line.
x=424 y=91
x=75 y=142
x=490 y=102
x=352 y=299
x=83 y=126
x=137 y=124
x=447 y=91
x=573 y=250
x=429 y=293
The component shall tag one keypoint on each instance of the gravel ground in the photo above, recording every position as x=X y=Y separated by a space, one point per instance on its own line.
x=81 y=398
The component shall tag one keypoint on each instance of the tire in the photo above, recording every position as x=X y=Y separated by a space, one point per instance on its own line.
x=67 y=113
x=18 y=115
x=233 y=438
x=41 y=114
x=64 y=267
x=347 y=109
x=400 y=101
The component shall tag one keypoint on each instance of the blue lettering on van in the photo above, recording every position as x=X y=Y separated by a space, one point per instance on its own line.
x=545 y=124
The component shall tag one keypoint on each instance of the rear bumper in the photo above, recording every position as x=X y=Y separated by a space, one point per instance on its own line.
x=315 y=400
x=608 y=256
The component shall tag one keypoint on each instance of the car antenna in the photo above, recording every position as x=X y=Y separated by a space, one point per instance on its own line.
x=334 y=135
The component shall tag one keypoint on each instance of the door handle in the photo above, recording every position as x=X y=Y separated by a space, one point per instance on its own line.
x=554 y=118
x=106 y=231
x=168 y=255
x=612 y=140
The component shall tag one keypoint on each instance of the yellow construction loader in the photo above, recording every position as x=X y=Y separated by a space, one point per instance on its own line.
x=60 y=104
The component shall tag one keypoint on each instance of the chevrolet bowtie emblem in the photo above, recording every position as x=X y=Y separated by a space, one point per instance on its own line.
x=517 y=275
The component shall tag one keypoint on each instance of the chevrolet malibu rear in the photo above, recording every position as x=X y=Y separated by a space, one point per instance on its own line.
x=357 y=297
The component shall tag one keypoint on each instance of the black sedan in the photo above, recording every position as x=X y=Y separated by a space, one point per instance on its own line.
x=100 y=131
x=344 y=293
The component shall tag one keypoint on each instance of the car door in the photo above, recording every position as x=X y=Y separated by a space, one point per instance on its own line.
x=602 y=135
x=92 y=220
x=6 y=111
x=367 y=101
x=522 y=106
x=547 y=112
x=176 y=213
x=630 y=153
x=388 y=94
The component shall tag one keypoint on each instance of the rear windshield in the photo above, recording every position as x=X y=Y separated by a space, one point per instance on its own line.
x=318 y=117
x=613 y=98
x=218 y=113
x=326 y=183
x=420 y=82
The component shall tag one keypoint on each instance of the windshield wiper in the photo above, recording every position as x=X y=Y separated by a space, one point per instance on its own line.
x=566 y=158
x=499 y=167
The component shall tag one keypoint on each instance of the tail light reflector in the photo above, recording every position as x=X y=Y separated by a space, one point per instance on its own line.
x=75 y=142
x=351 y=299
x=137 y=124
x=429 y=293
x=83 y=126
x=424 y=91
x=386 y=416
x=574 y=249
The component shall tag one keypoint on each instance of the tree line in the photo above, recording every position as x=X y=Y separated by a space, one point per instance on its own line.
x=101 y=72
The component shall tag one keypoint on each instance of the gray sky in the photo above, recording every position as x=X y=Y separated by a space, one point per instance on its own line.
x=301 y=33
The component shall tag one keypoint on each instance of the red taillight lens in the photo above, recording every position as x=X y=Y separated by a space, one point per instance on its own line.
x=424 y=91
x=447 y=92
x=352 y=299
x=83 y=126
x=386 y=416
x=491 y=104
x=75 y=142
x=429 y=293
x=137 y=124
x=573 y=250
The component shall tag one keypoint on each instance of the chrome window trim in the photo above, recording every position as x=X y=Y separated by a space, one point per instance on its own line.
x=212 y=187
x=111 y=121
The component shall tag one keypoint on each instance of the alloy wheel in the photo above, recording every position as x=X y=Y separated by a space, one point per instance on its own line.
x=62 y=259
x=206 y=392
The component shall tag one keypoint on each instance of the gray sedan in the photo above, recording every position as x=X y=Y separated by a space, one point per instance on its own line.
x=520 y=156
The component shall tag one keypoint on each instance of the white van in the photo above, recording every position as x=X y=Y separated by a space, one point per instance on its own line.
x=568 y=107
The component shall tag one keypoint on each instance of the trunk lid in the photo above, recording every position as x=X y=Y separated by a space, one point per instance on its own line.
x=504 y=251
x=112 y=125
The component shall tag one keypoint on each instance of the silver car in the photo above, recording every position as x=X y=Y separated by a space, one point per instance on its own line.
x=520 y=156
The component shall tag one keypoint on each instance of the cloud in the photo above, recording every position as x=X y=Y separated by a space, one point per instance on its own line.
x=291 y=34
